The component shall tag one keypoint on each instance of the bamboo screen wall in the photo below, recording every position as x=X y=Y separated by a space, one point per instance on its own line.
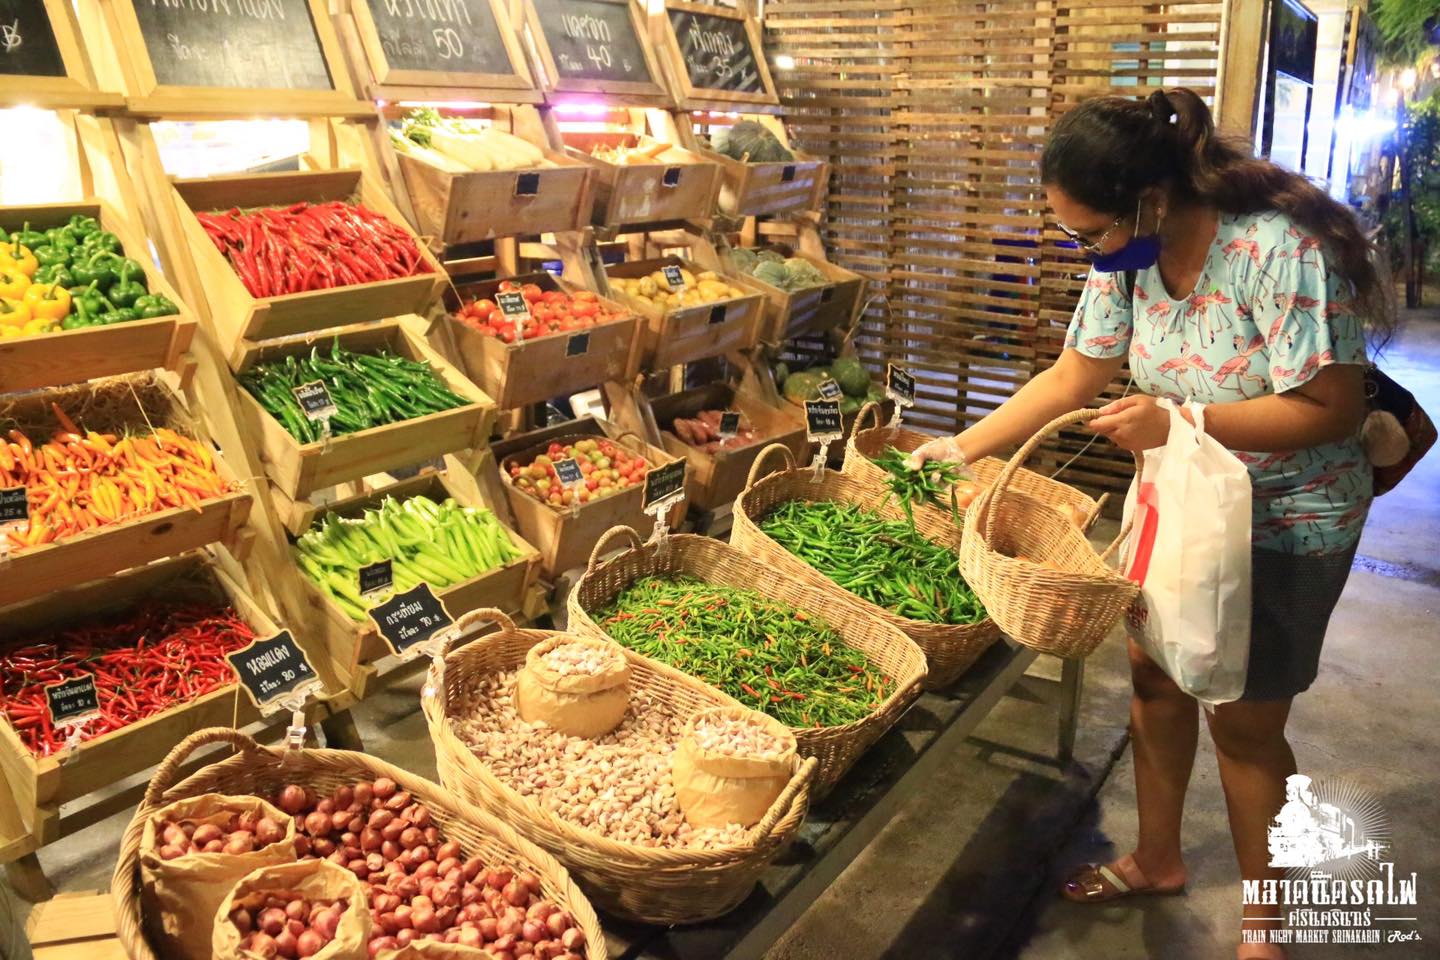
x=933 y=115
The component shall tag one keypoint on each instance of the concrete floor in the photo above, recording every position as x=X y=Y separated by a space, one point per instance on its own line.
x=968 y=869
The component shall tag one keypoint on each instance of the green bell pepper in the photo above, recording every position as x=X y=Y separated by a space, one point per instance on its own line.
x=56 y=273
x=103 y=240
x=49 y=254
x=121 y=315
x=90 y=299
x=82 y=226
x=89 y=271
x=62 y=237
x=155 y=305
x=29 y=238
x=78 y=320
x=126 y=291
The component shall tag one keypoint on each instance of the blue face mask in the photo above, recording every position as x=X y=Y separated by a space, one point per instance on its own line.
x=1139 y=253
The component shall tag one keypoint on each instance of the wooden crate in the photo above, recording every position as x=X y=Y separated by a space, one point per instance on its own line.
x=117 y=405
x=692 y=333
x=40 y=784
x=470 y=207
x=679 y=185
x=75 y=926
x=237 y=315
x=350 y=644
x=716 y=479
x=766 y=189
x=300 y=469
x=516 y=374
x=71 y=356
x=828 y=307
x=565 y=538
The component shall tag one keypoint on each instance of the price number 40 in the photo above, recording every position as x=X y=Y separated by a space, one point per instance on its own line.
x=600 y=56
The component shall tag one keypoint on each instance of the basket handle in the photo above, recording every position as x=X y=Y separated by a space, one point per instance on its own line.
x=603 y=544
x=765 y=455
x=472 y=617
x=871 y=407
x=168 y=772
x=787 y=797
x=644 y=444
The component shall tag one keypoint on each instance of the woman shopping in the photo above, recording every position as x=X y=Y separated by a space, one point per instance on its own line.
x=1233 y=283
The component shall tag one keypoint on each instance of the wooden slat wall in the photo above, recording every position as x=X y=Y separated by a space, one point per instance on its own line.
x=934 y=115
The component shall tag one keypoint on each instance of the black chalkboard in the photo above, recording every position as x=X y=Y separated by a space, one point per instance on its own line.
x=72 y=701
x=271 y=668
x=729 y=424
x=27 y=41
x=900 y=385
x=663 y=483
x=244 y=44
x=592 y=40
x=410 y=618
x=822 y=420
x=315 y=401
x=377 y=577
x=717 y=52
x=440 y=36
x=14 y=505
x=578 y=345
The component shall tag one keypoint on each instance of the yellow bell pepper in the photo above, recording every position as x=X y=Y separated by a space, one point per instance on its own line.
x=19 y=257
x=49 y=301
x=14 y=313
x=13 y=283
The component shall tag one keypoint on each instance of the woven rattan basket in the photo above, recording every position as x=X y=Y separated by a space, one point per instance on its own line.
x=254 y=769
x=866 y=443
x=950 y=649
x=638 y=883
x=1065 y=609
x=707 y=559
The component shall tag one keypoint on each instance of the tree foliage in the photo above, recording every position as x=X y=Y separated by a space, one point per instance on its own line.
x=1406 y=29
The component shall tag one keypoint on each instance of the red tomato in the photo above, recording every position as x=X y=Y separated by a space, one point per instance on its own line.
x=554 y=296
x=532 y=293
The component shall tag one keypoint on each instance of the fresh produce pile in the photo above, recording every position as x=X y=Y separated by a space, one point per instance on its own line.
x=284 y=923
x=607 y=467
x=70 y=278
x=768 y=266
x=419 y=884
x=618 y=785
x=147 y=660
x=551 y=311
x=770 y=657
x=699 y=289
x=441 y=544
x=750 y=142
x=937 y=482
x=854 y=380
x=734 y=736
x=643 y=152
x=242 y=833
x=703 y=431
x=368 y=390
x=82 y=480
x=277 y=251
x=461 y=146
x=879 y=560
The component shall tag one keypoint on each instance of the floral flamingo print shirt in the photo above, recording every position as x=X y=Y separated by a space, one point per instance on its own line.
x=1266 y=314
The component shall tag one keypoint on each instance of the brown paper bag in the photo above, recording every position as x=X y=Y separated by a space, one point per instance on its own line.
x=180 y=896
x=432 y=950
x=715 y=787
x=576 y=704
x=312 y=879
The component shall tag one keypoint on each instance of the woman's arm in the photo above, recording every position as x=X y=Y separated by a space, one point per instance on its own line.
x=1328 y=407
x=1072 y=382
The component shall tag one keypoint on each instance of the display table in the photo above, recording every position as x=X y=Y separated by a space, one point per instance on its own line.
x=847 y=821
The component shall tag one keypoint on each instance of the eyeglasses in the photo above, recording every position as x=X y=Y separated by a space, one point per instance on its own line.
x=1088 y=247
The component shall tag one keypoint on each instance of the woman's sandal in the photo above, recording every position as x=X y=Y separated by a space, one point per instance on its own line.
x=1098 y=883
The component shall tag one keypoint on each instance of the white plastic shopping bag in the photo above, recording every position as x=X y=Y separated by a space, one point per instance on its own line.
x=1189 y=550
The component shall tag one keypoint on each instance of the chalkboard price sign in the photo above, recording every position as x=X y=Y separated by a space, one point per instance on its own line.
x=729 y=424
x=72 y=701
x=593 y=40
x=822 y=421
x=717 y=52
x=377 y=577
x=568 y=471
x=410 y=618
x=236 y=44
x=315 y=401
x=27 y=41
x=900 y=385
x=271 y=668
x=578 y=345
x=440 y=36
x=830 y=390
x=663 y=484
x=14 y=505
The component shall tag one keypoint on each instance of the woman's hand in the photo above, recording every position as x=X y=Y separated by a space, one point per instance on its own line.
x=943 y=449
x=1134 y=423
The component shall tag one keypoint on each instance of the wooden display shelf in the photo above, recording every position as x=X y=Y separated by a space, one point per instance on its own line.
x=566 y=537
x=131 y=403
x=71 y=356
x=692 y=333
x=351 y=645
x=533 y=371
x=75 y=926
x=239 y=316
x=41 y=784
x=765 y=189
x=300 y=469
x=679 y=185
x=790 y=314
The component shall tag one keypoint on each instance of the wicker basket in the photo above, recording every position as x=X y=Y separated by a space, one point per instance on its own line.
x=865 y=443
x=257 y=769
x=637 y=883
x=707 y=559
x=1066 y=611
x=950 y=649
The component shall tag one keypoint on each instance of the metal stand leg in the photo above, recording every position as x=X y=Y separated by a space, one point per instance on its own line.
x=340 y=732
x=28 y=880
x=1072 y=677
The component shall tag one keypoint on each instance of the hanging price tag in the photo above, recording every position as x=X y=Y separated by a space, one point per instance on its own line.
x=729 y=424
x=822 y=421
x=14 y=505
x=407 y=620
x=377 y=578
x=513 y=305
x=315 y=401
x=569 y=472
x=900 y=385
x=664 y=485
x=73 y=702
x=674 y=278
x=274 y=670
x=578 y=345
x=830 y=390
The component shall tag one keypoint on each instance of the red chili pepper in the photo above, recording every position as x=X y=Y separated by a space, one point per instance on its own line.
x=749 y=689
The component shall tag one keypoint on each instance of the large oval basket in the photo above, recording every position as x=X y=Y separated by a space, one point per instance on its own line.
x=638 y=883
x=950 y=649
x=1037 y=574
x=707 y=559
x=254 y=769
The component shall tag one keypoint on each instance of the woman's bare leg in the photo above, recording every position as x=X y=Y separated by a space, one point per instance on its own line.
x=1164 y=731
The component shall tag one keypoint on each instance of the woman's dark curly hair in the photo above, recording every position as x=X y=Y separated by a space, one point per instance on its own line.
x=1109 y=150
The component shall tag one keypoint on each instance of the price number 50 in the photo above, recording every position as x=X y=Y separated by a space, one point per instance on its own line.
x=447 y=42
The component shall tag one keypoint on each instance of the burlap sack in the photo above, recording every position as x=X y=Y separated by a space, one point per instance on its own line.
x=714 y=788
x=313 y=880
x=577 y=705
x=431 y=950
x=180 y=896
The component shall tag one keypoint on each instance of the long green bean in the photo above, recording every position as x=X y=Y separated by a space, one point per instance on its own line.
x=882 y=561
x=769 y=656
